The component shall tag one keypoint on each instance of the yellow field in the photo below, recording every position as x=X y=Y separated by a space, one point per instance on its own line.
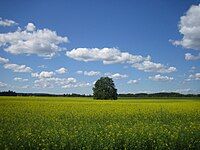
x=83 y=123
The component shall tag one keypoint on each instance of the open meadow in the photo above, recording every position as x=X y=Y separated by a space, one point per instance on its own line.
x=84 y=123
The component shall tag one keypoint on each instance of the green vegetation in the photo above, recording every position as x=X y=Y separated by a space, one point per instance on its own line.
x=83 y=123
x=104 y=88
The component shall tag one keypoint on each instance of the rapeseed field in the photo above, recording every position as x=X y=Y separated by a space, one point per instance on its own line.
x=84 y=123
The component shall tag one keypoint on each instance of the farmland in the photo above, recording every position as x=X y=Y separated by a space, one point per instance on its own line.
x=84 y=123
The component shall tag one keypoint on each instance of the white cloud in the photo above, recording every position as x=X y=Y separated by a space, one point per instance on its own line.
x=195 y=76
x=14 y=67
x=2 y=84
x=3 y=60
x=7 y=23
x=91 y=73
x=79 y=72
x=116 y=75
x=61 y=70
x=71 y=80
x=52 y=82
x=30 y=27
x=43 y=74
x=82 y=84
x=189 y=56
x=46 y=74
x=114 y=55
x=67 y=86
x=158 y=77
x=76 y=85
x=107 y=55
x=192 y=69
x=149 y=66
x=184 y=91
x=44 y=43
x=189 y=27
x=42 y=83
x=17 y=68
x=35 y=74
x=133 y=81
x=20 y=79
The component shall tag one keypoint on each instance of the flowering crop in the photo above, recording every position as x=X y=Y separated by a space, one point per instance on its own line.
x=83 y=123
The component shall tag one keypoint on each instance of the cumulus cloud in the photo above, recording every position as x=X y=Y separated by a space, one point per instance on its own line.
x=106 y=55
x=82 y=84
x=42 y=83
x=14 y=67
x=133 y=81
x=3 y=60
x=91 y=73
x=116 y=75
x=76 y=85
x=7 y=23
x=189 y=27
x=42 y=42
x=158 y=77
x=195 y=76
x=189 y=56
x=43 y=74
x=61 y=70
x=114 y=55
x=2 y=84
x=17 y=68
x=149 y=66
x=52 y=82
x=20 y=79
x=30 y=27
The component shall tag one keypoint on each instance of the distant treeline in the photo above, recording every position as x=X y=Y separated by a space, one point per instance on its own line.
x=161 y=94
x=12 y=93
x=137 y=95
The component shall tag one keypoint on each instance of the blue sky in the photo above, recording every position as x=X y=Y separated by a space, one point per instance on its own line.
x=65 y=46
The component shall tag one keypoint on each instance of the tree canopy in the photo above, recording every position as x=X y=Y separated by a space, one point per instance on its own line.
x=104 y=88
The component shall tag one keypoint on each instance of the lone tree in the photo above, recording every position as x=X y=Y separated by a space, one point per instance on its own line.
x=104 y=88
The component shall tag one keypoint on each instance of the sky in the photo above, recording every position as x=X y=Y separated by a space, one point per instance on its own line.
x=65 y=46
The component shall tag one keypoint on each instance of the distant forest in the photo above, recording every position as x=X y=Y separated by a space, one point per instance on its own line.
x=137 y=95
